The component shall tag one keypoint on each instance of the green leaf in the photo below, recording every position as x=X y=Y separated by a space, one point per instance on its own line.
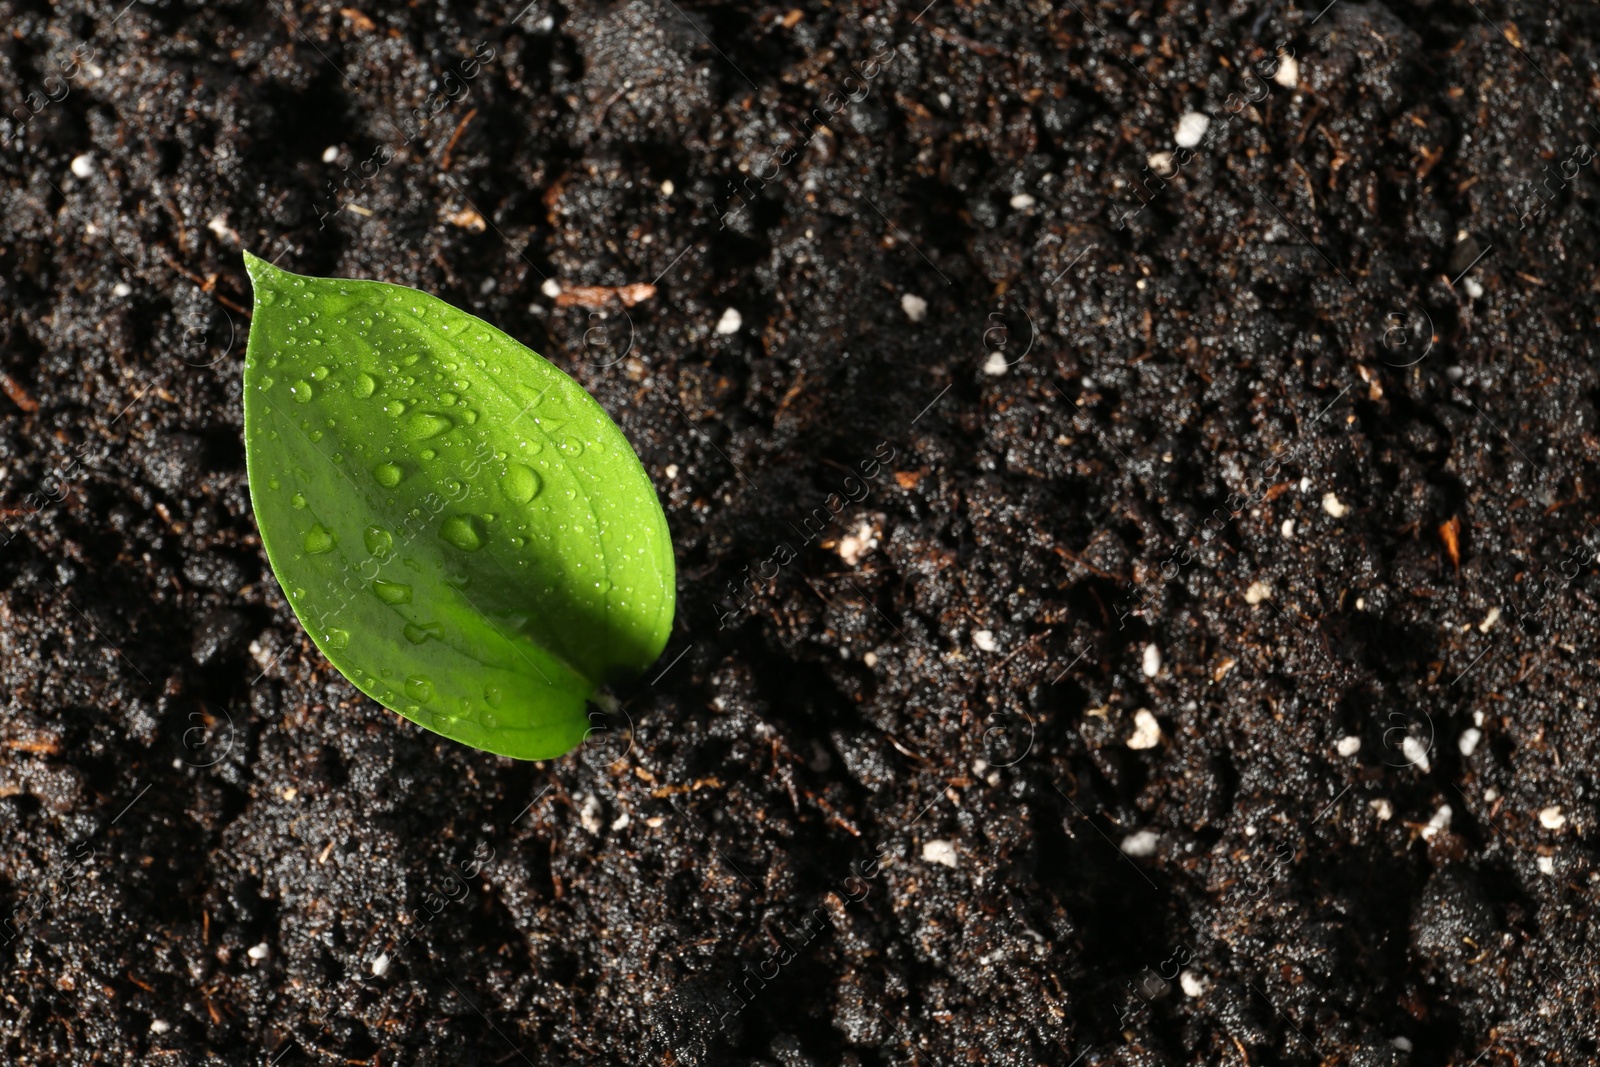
x=460 y=528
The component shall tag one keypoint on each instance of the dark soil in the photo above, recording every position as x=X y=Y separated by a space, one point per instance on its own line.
x=1318 y=424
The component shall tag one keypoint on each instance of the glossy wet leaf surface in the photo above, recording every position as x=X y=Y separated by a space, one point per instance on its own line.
x=459 y=526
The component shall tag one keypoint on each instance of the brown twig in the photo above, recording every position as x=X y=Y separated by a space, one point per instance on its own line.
x=19 y=396
x=451 y=147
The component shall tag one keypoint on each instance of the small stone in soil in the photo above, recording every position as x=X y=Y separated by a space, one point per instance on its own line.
x=1141 y=843
x=1146 y=730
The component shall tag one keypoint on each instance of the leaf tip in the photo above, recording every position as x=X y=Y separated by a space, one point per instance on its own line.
x=260 y=271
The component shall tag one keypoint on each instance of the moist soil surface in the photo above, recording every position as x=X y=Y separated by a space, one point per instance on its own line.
x=1133 y=608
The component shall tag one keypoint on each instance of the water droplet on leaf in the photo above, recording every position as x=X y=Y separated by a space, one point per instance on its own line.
x=391 y=592
x=320 y=539
x=379 y=543
x=424 y=425
x=520 y=484
x=419 y=634
x=464 y=531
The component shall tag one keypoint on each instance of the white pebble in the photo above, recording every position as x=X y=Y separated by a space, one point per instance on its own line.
x=914 y=306
x=1330 y=504
x=380 y=966
x=1547 y=864
x=1288 y=73
x=258 y=952
x=1473 y=288
x=159 y=1026
x=1491 y=795
x=1161 y=163
x=1191 y=129
x=1382 y=809
x=589 y=814
x=1257 y=592
x=1141 y=843
x=621 y=821
x=984 y=639
x=667 y=188
x=1468 y=741
x=944 y=100
x=486 y=286
x=1415 y=750
x=730 y=322
x=1287 y=529
x=995 y=365
x=942 y=852
x=1489 y=620
x=1401 y=1043
x=1348 y=746
x=1152 y=660
x=1552 y=818
x=870 y=659
x=1193 y=984
x=83 y=166
x=1146 y=730
x=219 y=226
x=330 y=153
x=1440 y=821
x=672 y=472
x=121 y=289
x=1022 y=201
x=551 y=288
x=858 y=543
